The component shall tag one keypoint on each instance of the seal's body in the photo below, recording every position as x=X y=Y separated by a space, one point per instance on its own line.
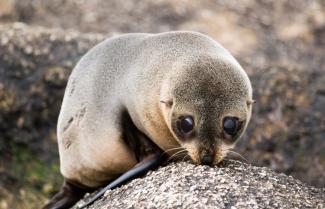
x=168 y=91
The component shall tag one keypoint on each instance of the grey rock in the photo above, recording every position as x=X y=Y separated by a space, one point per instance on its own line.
x=229 y=186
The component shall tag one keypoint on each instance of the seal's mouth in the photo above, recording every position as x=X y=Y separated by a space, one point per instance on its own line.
x=207 y=159
x=192 y=153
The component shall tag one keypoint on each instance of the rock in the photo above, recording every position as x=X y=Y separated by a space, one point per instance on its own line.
x=232 y=185
x=35 y=64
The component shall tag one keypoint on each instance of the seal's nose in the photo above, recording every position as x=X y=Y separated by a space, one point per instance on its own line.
x=207 y=160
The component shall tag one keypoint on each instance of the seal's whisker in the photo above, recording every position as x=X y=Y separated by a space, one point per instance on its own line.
x=176 y=154
x=175 y=148
x=177 y=157
x=186 y=156
x=236 y=153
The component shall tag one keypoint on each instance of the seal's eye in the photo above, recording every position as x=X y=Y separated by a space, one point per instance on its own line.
x=231 y=125
x=186 y=124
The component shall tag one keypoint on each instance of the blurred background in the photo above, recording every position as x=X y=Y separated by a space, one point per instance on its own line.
x=281 y=45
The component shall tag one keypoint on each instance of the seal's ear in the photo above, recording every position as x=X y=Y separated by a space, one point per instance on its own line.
x=168 y=103
x=249 y=102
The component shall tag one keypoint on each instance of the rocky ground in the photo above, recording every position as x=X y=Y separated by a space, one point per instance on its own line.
x=232 y=185
x=279 y=43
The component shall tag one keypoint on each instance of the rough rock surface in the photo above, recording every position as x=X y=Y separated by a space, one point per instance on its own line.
x=280 y=44
x=230 y=186
x=35 y=64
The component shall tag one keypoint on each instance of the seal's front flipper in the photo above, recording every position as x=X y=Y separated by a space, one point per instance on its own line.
x=148 y=155
x=67 y=196
x=150 y=162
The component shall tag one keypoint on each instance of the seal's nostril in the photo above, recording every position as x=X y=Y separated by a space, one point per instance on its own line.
x=207 y=160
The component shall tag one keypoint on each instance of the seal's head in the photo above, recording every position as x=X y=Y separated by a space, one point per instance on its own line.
x=207 y=104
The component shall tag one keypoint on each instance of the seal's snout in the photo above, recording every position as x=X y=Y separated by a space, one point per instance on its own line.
x=207 y=160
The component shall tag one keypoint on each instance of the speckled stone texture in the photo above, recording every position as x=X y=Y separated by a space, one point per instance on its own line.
x=231 y=185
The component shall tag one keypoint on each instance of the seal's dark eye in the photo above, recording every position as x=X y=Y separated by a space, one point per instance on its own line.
x=230 y=125
x=186 y=124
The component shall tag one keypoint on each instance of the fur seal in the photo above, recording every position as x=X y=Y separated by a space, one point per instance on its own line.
x=139 y=95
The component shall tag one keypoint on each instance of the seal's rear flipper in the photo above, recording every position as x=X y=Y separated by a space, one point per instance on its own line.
x=148 y=163
x=67 y=196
